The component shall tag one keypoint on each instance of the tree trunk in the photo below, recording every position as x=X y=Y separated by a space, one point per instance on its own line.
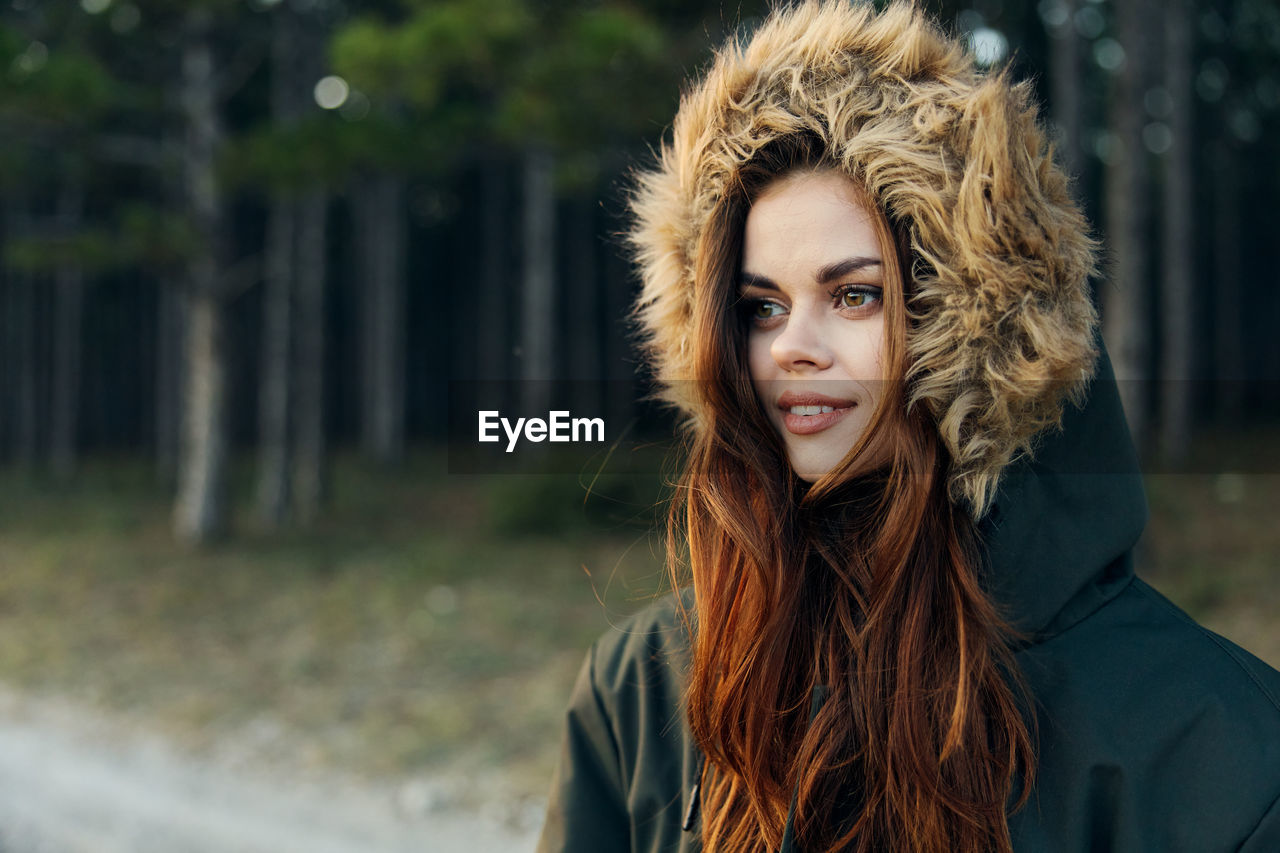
x=273 y=374
x=1125 y=322
x=171 y=343
x=309 y=470
x=200 y=513
x=309 y=439
x=11 y=319
x=171 y=350
x=26 y=421
x=8 y=385
x=1229 y=314
x=381 y=211
x=1178 y=243
x=582 y=330
x=1064 y=69
x=277 y=309
x=69 y=296
x=20 y=409
x=538 y=312
x=493 y=338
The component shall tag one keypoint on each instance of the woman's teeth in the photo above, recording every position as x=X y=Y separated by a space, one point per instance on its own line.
x=811 y=410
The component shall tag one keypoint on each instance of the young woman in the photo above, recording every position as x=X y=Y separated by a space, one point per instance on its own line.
x=909 y=500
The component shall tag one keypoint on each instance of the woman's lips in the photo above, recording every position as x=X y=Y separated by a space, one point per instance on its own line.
x=807 y=424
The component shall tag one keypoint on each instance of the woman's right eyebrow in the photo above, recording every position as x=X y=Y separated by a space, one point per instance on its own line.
x=750 y=279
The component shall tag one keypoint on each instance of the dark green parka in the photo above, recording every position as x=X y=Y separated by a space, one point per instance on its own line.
x=1153 y=733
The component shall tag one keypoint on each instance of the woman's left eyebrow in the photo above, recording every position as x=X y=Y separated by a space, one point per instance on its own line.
x=839 y=269
x=825 y=275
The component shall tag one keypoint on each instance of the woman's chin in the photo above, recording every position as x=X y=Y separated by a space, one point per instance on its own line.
x=810 y=470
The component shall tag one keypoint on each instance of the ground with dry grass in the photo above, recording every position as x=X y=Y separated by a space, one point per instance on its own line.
x=426 y=623
x=430 y=623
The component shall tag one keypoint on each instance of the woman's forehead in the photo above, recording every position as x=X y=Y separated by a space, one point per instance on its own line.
x=808 y=223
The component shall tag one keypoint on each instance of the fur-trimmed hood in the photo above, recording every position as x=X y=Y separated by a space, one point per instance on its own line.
x=1002 y=328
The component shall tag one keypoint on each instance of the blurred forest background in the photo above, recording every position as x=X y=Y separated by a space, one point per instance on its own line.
x=246 y=244
x=281 y=226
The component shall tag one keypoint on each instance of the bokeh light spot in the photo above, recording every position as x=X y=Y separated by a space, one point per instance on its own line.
x=989 y=46
x=331 y=92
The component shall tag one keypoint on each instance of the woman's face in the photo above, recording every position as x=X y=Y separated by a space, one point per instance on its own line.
x=812 y=287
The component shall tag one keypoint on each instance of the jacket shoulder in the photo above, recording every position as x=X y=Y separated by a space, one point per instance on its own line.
x=1153 y=730
x=1151 y=646
x=627 y=763
x=1255 y=674
x=653 y=641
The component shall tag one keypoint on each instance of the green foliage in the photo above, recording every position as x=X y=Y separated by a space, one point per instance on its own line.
x=432 y=79
x=464 y=43
x=15 y=165
x=139 y=236
x=359 y=53
x=91 y=250
x=60 y=85
x=588 y=80
x=567 y=89
x=153 y=238
x=289 y=156
x=500 y=73
x=12 y=44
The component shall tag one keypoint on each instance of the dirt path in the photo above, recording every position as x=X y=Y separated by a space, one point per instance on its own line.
x=70 y=782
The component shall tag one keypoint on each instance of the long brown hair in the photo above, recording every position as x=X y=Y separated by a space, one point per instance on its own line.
x=865 y=583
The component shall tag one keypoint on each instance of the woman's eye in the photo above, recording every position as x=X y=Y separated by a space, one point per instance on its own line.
x=858 y=297
x=763 y=310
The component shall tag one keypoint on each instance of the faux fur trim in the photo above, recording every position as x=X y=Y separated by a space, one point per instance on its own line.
x=1003 y=327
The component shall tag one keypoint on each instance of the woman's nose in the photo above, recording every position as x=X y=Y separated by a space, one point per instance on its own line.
x=800 y=345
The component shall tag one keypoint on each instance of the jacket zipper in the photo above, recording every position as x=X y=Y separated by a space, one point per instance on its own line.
x=816 y=701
